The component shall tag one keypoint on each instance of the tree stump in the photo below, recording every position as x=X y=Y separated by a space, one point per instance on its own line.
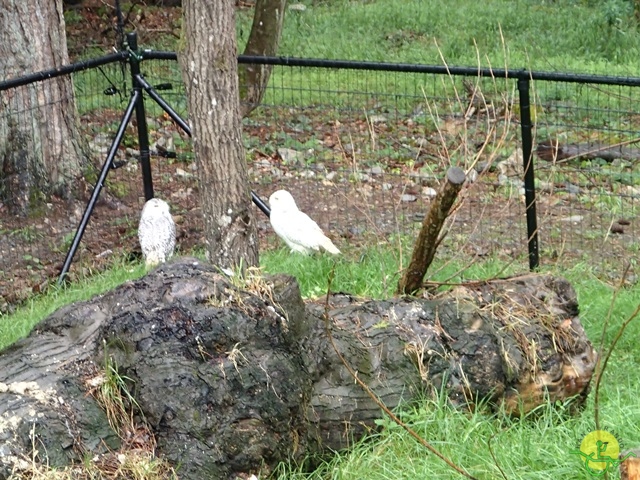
x=234 y=379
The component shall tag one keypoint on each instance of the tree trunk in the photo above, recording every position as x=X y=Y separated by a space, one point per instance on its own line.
x=233 y=380
x=39 y=146
x=210 y=72
x=263 y=40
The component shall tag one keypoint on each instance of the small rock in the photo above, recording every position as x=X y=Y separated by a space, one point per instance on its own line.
x=377 y=170
x=408 y=198
x=297 y=7
x=387 y=186
x=429 y=192
x=424 y=179
x=472 y=176
x=633 y=190
x=544 y=186
x=290 y=156
x=331 y=175
x=422 y=142
x=378 y=119
x=263 y=162
x=571 y=188
x=307 y=174
x=484 y=165
x=182 y=193
x=181 y=173
x=355 y=230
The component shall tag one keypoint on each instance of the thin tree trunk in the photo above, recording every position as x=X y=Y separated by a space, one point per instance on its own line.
x=263 y=40
x=209 y=68
x=39 y=147
x=427 y=242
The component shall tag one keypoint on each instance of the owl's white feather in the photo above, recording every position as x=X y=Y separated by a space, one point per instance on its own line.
x=156 y=232
x=298 y=231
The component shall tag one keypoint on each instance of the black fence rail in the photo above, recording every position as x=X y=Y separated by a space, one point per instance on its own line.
x=551 y=160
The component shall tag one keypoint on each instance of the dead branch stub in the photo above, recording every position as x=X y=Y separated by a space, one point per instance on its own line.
x=427 y=242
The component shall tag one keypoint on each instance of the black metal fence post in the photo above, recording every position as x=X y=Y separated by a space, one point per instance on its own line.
x=526 y=127
x=141 y=118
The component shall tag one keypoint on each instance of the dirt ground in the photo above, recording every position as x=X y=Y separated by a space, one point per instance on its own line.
x=358 y=194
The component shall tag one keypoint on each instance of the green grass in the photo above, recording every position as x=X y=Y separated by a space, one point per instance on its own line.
x=538 y=34
x=19 y=323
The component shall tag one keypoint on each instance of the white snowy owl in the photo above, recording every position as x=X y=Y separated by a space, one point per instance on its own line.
x=156 y=232
x=302 y=234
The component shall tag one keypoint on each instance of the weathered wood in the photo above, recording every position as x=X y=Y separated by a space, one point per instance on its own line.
x=630 y=468
x=552 y=151
x=427 y=242
x=232 y=380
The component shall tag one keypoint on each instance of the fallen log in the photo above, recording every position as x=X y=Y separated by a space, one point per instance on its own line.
x=233 y=379
x=552 y=150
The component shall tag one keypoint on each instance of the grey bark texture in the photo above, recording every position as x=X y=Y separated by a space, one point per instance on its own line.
x=264 y=39
x=234 y=379
x=210 y=71
x=40 y=152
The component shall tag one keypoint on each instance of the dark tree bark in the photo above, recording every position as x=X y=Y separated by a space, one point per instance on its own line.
x=263 y=40
x=234 y=380
x=428 y=238
x=39 y=148
x=209 y=67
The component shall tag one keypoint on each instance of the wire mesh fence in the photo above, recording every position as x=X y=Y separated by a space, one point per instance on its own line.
x=363 y=151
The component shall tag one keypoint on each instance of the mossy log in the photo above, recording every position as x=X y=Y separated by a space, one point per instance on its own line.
x=234 y=379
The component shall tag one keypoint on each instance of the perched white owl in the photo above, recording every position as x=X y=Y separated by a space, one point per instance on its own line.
x=156 y=232
x=302 y=234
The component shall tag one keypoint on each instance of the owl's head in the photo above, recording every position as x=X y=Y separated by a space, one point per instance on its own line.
x=157 y=205
x=282 y=201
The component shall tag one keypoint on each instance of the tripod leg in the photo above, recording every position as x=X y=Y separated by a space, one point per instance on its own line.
x=182 y=124
x=99 y=184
